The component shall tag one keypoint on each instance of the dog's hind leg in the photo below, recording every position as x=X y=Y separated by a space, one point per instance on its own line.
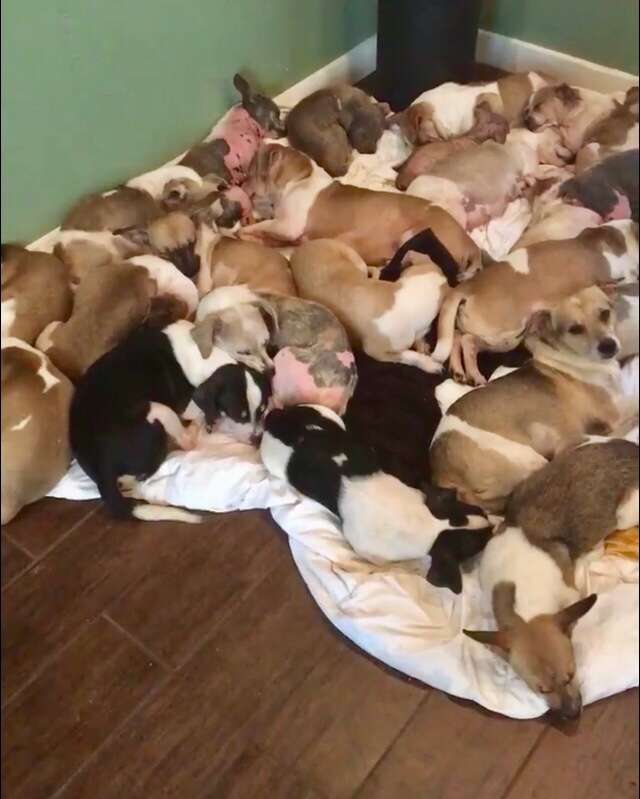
x=470 y=353
x=456 y=366
x=170 y=421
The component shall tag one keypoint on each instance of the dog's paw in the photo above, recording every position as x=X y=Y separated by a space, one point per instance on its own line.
x=129 y=486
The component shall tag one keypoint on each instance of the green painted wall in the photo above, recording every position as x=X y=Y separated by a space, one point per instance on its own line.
x=95 y=91
x=602 y=31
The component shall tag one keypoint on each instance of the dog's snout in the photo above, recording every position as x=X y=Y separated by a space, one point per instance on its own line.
x=570 y=708
x=608 y=347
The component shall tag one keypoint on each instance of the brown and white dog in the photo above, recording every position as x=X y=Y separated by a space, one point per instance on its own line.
x=304 y=203
x=35 y=291
x=449 y=110
x=110 y=302
x=225 y=261
x=558 y=514
x=35 y=426
x=386 y=319
x=493 y=309
x=571 y=110
x=493 y=438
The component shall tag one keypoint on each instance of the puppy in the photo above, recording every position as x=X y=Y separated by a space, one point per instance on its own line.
x=558 y=514
x=125 y=207
x=109 y=304
x=226 y=262
x=126 y=411
x=491 y=440
x=241 y=323
x=305 y=204
x=327 y=124
x=449 y=110
x=35 y=426
x=616 y=133
x=533 y=281
x=610 y=188
x=572 y=111
x=476 y=184
x=35 y=291
x=383 y=519
x=385 y=319
x=234 y=400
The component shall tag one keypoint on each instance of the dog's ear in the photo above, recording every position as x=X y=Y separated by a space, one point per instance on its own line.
x=610 y=290
x=207 y=395
x=269 y=316
x=501 y=639
x=204 y=334
x=137 y=236
x=539 y=323
x=242 y=86
x=567 y=617
x=444 y=572
x=567 y=95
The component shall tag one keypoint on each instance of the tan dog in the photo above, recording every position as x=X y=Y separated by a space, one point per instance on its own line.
x=123 y=208
x=572 y=111
x=109 y=304
x=35 y=292
x=493 y=438
x=528 y=569
x=493 y=309
x=35 y=426
x=227 y=262
x=306 y=204
x=449 y=110
x=614 y=134
x=385 y=319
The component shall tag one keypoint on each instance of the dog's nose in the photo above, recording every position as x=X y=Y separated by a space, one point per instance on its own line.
x=571 y=708
x=608 y=347
x=255 y=439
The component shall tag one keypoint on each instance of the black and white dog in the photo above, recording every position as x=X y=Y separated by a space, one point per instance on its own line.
x=383 y=519
x=127 y=406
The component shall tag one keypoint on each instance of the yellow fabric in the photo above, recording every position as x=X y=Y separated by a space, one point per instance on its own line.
x=623 y=543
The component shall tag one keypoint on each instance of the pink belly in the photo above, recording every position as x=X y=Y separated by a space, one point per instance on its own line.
x=294 y=384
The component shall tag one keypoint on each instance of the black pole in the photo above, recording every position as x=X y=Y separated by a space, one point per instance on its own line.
x=423 y=43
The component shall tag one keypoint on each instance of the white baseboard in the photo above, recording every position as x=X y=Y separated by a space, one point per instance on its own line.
x=514 y=55
x=350 y=67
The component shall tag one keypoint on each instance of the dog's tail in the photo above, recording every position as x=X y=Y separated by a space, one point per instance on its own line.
x=447 y=324
x=121 y=507
x=427 y=243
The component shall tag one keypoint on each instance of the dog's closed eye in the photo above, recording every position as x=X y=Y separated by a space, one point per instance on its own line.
x=605 y=315
x=577 y=330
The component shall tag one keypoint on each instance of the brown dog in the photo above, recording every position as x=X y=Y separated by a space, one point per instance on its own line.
x=228 y=262
x=492 y=311
x=35 y=426
x=305 y=203
x=35 y=291
x=125 y=207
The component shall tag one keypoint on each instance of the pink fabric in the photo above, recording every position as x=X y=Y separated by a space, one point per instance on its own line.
x=243 y=135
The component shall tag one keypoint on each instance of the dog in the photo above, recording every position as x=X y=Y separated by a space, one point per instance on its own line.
x=533 y=280
x=614 y=134
x=492 y=439
x=305 y=203
x=234 y=401
x=488 y=126
x=241 y=322
x=126 y=408
x=35 y=422
x=570 y=110
x=35 y=291
x=111 y=302
x=449 y=110
x=387 y=320
x=329 y=123
x=558 y=514
x=476 y=184
x=383 y=519
x=263 y=109
x=227 y=262
x=610 y=187
x=125 y=207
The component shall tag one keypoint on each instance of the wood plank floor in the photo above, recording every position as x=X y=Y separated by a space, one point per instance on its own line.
x=164 y=660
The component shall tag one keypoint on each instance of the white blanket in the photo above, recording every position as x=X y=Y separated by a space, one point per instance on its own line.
x=393 y=613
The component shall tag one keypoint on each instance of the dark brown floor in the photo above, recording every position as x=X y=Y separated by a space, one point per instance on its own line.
x=163 y=660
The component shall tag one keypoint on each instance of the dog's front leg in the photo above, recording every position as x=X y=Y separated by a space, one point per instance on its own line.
x=170 y=421
x=470 y=354
x=456 y=367
x=276 y=231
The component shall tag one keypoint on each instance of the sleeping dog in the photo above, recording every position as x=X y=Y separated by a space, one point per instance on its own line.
x=126 y=411
x=383 y=519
